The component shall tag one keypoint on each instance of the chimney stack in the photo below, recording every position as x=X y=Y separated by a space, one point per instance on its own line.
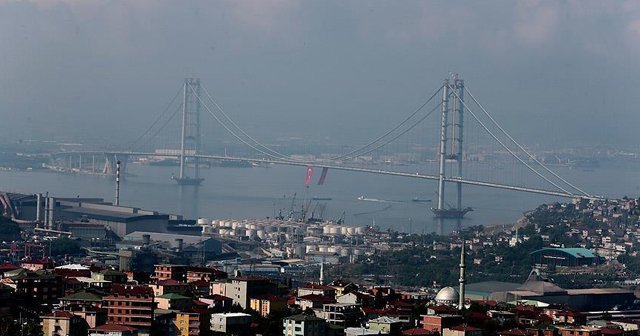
x=462 y=277
x=118 y=183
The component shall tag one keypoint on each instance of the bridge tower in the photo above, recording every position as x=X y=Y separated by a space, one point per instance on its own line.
x=190 y=133
x=451 y=121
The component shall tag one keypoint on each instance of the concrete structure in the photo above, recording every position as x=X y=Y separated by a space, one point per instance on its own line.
x=304 y=325
x=230 y=323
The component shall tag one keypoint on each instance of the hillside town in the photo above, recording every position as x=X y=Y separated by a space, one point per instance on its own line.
x=88 y=267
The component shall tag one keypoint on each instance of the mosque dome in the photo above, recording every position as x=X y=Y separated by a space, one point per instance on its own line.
x=447 y=296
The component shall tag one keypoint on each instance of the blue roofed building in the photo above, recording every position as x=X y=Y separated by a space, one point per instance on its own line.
x=568 y=257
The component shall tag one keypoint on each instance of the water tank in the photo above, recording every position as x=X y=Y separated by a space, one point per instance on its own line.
x=351 y=231
x=326 y=230
x=344 y=230
x=333 y=231
x=202 y=221
x=360 y=230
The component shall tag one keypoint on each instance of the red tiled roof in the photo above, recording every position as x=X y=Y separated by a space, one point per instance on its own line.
x=130 y=290
x=268 y=297
x=611 y=331
x=514 y=332
x=464 y=328
x=8 y=267
x=417 y=331
x=316 y=298
x=170 y=282
x=217 y=297
x=199 y=283
x=60 y=313
x=316 y=286
x=442 y=309
x=114 y=327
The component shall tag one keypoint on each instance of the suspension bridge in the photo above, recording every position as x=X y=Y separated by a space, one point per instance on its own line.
x=450 y=138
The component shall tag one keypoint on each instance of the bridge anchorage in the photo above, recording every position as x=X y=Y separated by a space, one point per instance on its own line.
x=190 y=134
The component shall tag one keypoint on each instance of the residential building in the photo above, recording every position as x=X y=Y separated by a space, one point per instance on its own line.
x=267 y=303
x=230 y=323
x=63 y=323
x=304 y=325
x=342 y=314
x=131 y=306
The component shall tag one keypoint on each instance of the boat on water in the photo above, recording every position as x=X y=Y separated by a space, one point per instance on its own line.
x=420 y=200
x=318 y=198
x=451 y=212
x=196 y=181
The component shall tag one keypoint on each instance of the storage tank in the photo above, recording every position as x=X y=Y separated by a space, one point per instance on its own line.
x=323 y=248
x=202 y=221
x=344 y=230
x=360 y=230
x=260 y=234
x=326 y=230
x=351 y=231
x=344 y=252
x=333 y=231
x=250 y=233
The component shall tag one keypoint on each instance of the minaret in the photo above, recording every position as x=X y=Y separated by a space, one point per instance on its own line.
x=462 y=277
x=321 y=279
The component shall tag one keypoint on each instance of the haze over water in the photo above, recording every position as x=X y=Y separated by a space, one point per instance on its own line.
x=261 y=192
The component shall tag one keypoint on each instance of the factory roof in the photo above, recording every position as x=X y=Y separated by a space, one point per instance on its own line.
x=167 y=237
x=111 y=215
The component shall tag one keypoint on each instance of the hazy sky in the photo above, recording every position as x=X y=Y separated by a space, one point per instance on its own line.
x=551 y=71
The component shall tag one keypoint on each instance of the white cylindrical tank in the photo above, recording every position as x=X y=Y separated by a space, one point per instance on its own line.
x=202 y=221
x=250 y=233
x=332 y=249
x=344 y=230
x=326 y=230
x=323 y=248
x=333 y=231
x=351 y=231
x=344 y=252
x=260 y=234
x=360 y=230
